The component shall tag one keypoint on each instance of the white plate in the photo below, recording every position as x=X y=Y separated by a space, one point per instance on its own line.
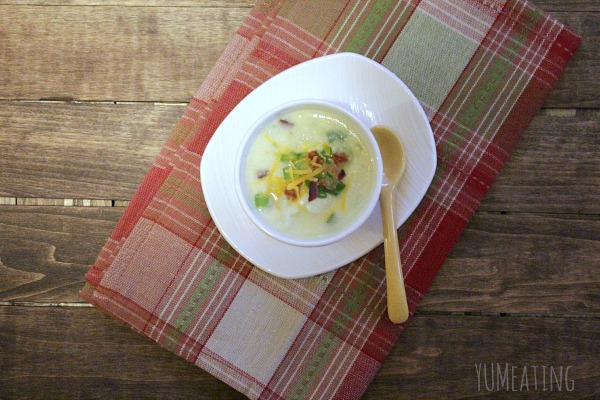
x=361 y=86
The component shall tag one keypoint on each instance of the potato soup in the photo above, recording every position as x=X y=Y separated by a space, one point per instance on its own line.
x=309 y=174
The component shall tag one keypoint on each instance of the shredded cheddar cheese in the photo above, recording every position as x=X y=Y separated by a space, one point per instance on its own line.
x=305 y=177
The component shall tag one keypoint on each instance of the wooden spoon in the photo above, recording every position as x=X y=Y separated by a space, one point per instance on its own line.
x=394 y=160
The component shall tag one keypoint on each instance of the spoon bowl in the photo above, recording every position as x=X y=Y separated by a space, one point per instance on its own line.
x=394 y=161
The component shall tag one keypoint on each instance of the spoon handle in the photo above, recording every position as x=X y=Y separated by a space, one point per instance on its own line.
x=396 y=292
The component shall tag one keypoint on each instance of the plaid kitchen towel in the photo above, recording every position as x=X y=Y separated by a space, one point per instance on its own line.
x=481 y=70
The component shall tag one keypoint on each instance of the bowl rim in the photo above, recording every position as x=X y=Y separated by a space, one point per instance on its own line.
x=254 y=130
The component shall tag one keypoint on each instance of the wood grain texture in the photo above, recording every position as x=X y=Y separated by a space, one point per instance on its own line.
x=111 y=146
x=524 y=264
x=71 y=150
x=554 y=168
x=575 y=88
x=84 y=354
x=163 y=53
x=553 y=6
x=437 y=356
x=45 y=252
x=110 y=52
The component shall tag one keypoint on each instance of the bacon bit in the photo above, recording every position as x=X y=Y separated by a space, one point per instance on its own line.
x=314 y=156
x=312 y=191
x=341 y=175
x=262 y=173
x=285 y=122
x=340 y=158
x=290 y=194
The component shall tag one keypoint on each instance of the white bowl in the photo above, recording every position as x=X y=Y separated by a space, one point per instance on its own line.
x=343 y=115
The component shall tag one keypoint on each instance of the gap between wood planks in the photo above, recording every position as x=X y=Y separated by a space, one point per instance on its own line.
x=38 y=201
x=71 y=100
x=555 y=112
x=419 y=312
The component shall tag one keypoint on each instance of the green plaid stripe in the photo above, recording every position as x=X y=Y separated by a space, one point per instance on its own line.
x=173 y=336
x=369 y=26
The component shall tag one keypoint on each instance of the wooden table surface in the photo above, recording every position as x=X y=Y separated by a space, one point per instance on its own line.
x=90 y=90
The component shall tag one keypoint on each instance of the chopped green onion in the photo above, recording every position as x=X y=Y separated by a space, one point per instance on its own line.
x=330 y=219
x=327 y=158
x=300 y=164
x=291 y=157
x=322 y=192
x=287 y=173
x=261 y=200
x=335 y=191
x=329 y=180
x=339 y=187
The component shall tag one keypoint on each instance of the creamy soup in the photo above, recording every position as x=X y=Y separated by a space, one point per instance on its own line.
x=309 y=174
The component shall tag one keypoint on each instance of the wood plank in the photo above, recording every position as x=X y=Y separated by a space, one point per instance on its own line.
x=552 y=6
x=80 y=150
x=554 y=169
x=46 y=251
x=113 y=52
x=73 y=353
x=574 y=88
x=513 y=263
x=437 y=357
x=525 y=263
x=164 y=53
x=80 y=353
